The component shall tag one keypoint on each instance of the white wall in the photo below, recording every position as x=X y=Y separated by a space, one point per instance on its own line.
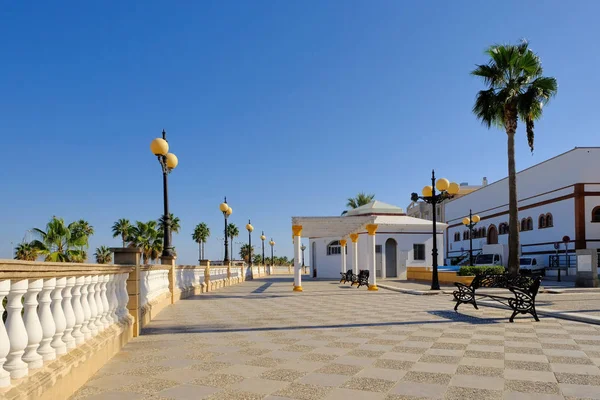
x=592 y=229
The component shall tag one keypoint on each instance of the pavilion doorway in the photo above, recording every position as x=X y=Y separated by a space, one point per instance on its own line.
x=391 y=258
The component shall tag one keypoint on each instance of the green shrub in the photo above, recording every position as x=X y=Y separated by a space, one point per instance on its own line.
x=467 y=270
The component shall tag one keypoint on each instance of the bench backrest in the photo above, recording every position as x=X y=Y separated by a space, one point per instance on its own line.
x=505 y=281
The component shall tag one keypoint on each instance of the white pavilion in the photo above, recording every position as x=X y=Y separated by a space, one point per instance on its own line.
x=380 y=238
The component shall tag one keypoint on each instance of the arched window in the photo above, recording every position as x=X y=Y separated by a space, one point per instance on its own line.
x=334 y=248
x=523 y=225
x=457 y=236
x=549 y=220
x=529 y=224
x=503 y=229
x=542 y=221
x=596 y=214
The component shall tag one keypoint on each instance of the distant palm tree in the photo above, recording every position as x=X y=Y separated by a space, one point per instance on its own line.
x=361 y=199
x=175 y=227
x=58 y=243
x=516 y=90
x=244 y=251
x=26 y=252
x=122 y=228
x=103 y=255
x=200 y=235
x=80 y=232
x=232 y=232
x=146 y=236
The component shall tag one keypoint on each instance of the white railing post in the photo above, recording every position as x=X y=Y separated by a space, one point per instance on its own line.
x=122 y=296
x=33 y=325
x=17 y=335
x=4 y=342
x=85 y=306
x=59 y=317
x=92 y=303
x=78 y=311
x=105 y=307
x=48 y=326
x=110 y=293
x=99 y=305
x=69 y=313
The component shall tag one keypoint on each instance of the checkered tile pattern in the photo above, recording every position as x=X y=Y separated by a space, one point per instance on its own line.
x=260 y=340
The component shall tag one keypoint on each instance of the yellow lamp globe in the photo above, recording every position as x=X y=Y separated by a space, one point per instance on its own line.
x=453 y=188
x=249 y=227
x=159 y=147
x=262 y=237
x=272 y=243
x=223 y=207
x=229 y=210
x=427 y=191
x=466 y=221
x=476 y=218
x=172 y=161
x=442 y=184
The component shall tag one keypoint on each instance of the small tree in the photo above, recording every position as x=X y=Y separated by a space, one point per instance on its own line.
x=103 y=255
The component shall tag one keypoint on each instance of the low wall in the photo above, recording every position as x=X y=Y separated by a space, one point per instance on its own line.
x=425 y=274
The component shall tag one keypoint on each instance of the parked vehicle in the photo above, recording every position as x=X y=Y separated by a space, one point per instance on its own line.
x=492 y=254
x=531 y=265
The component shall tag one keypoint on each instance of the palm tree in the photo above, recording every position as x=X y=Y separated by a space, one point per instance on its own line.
x=516 y=90
x=146 y=236
x=122 y=228
x=361 y=199
x=26 y=252
x=103 y=255
x=232 y=232
x=80 y=232
x=244 y=252
x=58 y=243
x=200 y=235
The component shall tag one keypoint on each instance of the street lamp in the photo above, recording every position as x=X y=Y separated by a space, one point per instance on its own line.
x=226 y=210
x=447 y=191
x=272 y=243
x=262 y=238
x=168 y=162
x=250 y=228
x=303 y=248
x=470 y=223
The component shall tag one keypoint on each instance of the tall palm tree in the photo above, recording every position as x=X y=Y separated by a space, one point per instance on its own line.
x=26 y=252
x=122 y=228
x=146 y=236
x=103 y=255
x=200 y=235
x=232 y=232
x=80 y=232
x=245 y=250
x=516 y=89
x=361 y=199
x=57 y=242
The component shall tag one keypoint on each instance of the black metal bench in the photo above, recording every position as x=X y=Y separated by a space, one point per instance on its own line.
x=524 y=289
x=362 y=279
x=346 y=276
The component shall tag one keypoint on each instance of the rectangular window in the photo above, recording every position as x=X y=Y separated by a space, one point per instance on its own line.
x=378 y=248
x=419 y=252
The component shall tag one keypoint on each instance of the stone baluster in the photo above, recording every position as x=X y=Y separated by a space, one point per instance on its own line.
x=78 y=311
x=32 y=325
x=4 y=342
x=92 y=303
x=99 y=305
x=109 y=298
x=48 y=326
x=85 y=306
x=67 y=294
x=17 y=335
x=104 y=297
x=124 y=296
x=114 y=279
x=58 y=315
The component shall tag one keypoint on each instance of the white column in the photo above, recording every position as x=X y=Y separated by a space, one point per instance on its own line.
x=104 y=297
x=297 y=230
x=99 y=306
x=48 y=326
x=69 y=313
x=112 y=300
x=59 y=317
x=85 y=306
x=354 y=238
x=343 y=244
x=122 y=296
x=32 y=325
x=17 y=335
x=91 y=285
x=4 y=342
x=371 y=229
x=77 y=333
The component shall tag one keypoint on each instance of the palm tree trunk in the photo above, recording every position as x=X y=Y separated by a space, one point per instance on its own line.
x=513 y=211
x=123 y=237
x=199 y=251
x=231 y=245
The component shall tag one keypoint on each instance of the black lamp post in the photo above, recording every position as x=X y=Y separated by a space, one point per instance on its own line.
x=168 y=161
x=447 y=191
x=250 y=228
x=262 y=238
x=226 y=210
x=272 y=243
x=303 y=248
x=470 y=223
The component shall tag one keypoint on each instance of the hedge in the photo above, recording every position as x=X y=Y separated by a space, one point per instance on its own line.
x=467 y=270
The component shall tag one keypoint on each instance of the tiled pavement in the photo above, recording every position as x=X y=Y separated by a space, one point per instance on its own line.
x=260 y=340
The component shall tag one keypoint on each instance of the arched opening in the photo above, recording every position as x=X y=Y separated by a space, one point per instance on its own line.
x=334 y=248
x=492 y=235
x=596 y=214
x=391 y=259
x=549 y=220
x=542 y=222
x=523 y=225
x=529 y=224
x=313 y=256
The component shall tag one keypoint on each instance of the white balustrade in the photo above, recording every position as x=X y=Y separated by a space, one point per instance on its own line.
x=85 y=307
x=69 y=313
x=110 y=293
x=99 y=305
x=59 y=317
x=78 y=311
x=48 y=326
x=32 y=325
x=17 y=335
x=92 y=303
x=4 y=341
x=103 y=296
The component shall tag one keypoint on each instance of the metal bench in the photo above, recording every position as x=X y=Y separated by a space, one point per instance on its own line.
x=524 y=289
x=362 y=279
x=346 y=276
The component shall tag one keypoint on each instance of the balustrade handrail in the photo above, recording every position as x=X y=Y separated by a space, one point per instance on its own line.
x=17 y=269
x=155 y=267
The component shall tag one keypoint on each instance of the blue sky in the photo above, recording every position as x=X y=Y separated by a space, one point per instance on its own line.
x=286 y=107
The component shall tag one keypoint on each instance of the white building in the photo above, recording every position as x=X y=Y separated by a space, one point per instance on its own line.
x=400 y=241
x=556 y=198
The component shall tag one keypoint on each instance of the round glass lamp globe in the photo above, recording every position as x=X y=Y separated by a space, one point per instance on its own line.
x=453 y=188
x=172 y=161
x=223 y=207
x=229 y=210
x=476 y=218
x=466 y=221
x=249 y=227
x=442 y=184
x=263 y=237
x=427 y=191
x=272 y=243
x=159 y=147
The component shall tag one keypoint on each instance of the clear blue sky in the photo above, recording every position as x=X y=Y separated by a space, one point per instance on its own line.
x=286 y=107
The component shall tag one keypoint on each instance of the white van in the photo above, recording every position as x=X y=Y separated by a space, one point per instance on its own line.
x=531 y=265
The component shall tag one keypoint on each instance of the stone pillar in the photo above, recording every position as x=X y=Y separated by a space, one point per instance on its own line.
x=228 y=273
x=131 y=256
x=343 y=244
x=170 y=261
x=297 y=230
x=354 y=238
x=587 y=268
x=371 y=229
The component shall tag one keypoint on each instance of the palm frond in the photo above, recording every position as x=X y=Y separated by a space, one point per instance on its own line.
x=488 y=108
